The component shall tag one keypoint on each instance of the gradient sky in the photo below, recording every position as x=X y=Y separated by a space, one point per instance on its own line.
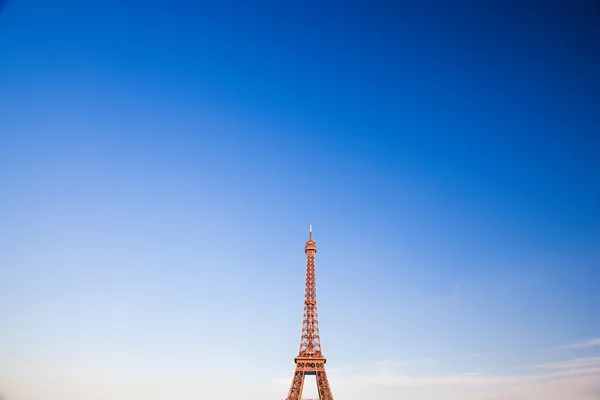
x=160 y=163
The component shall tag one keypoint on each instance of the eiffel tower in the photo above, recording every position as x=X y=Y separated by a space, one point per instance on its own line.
x=310 y=360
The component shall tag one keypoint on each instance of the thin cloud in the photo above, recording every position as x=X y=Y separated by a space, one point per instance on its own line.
x=478 y=355
x=471 y=379
x=455 y=292
x=384 y=365
x=575 y=363
x=593 y=342
x=392 y=363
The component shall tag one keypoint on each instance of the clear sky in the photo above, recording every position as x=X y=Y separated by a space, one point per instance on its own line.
x=160 y=163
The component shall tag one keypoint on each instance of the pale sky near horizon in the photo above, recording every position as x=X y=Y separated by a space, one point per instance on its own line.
x=160 y=163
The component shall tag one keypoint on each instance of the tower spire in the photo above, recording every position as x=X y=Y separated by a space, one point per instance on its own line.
x=310 y=243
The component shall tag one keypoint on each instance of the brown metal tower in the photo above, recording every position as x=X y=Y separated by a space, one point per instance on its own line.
x=310 y=360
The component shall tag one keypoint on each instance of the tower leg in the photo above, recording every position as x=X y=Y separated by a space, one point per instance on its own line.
x=323 y=386
x=297 y=386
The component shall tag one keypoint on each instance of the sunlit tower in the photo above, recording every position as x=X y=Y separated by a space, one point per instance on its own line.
x=310 y=359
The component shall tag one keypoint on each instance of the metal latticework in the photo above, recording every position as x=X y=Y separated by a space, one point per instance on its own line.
x=310 y=360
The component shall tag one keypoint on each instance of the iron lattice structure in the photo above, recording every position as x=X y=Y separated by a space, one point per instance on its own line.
x=310 y=359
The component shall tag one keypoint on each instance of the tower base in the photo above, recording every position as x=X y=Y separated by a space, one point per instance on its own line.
x=310 y=366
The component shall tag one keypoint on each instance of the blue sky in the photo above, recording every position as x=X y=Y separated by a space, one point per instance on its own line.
x=160 y=163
